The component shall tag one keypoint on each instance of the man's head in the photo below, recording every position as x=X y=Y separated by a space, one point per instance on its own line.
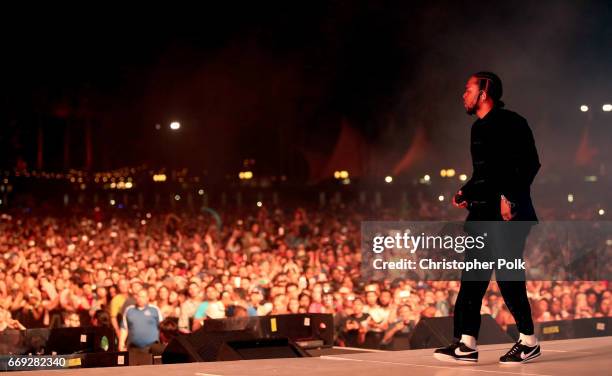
x=358 y=306
x=168 y=329
x=212 y=294
x=385 y=298
x=72 y=320
x=403 y=312
x=483 y=89
x=136 y=286
x=124 y=286
x=194 y=290
x=142 y=298
x=256 y=297
x=371 y=298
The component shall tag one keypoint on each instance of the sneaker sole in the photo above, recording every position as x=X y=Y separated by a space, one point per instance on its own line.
x=452 y=359
x=522 y=361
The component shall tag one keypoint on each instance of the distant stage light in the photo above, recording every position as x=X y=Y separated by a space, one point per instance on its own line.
x=389 y=179
x=112 y=202
x=177 y=197
x=175 y=125
x=259 y=204
x=602 y=212
x=159 y=178
x=584 y=108
x=427 y=178
x=570 y=198
x=607 y=107
x=443 y=173
x=463 y=177
x=440 y=198
x=201 y=192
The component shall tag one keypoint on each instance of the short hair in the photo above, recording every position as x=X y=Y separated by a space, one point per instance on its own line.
x=492 y=85
x=103 y=319
x=169 y=328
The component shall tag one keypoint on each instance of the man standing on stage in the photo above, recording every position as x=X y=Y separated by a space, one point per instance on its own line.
x=505 y=162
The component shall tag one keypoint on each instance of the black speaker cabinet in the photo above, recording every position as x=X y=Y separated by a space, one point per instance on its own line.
x=60 y=341
x=80 y=340
x=313 y=327
x=249 y=338
x=438 y=331
x=568 y=329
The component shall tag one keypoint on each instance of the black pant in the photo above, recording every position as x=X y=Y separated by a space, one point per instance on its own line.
x=503 y=240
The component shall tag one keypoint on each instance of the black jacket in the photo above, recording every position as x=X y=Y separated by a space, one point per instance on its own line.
x=505 y=162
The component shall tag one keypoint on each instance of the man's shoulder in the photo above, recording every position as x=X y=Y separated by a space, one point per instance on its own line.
x=512 y=121
x=129 y=309
x=511 y=115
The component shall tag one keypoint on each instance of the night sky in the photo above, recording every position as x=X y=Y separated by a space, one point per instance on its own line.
x=274 y=81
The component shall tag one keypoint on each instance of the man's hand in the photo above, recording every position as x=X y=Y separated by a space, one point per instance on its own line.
x=458 y=201
x=506 y=208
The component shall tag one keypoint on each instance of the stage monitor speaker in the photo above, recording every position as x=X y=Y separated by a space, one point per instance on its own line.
x=569 y=329
x=314 y=328
x=60 y=341
x=115 y=359
x=434 y=332
x=211 y=347
x=80 y=340
x=250 y=338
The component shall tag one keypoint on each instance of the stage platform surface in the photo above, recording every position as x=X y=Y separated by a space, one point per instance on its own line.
x=587 y=356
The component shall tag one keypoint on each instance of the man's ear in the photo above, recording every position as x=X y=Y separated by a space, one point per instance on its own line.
x=483 y=96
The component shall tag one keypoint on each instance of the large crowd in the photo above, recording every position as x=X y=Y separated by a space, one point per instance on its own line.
x=90 y=269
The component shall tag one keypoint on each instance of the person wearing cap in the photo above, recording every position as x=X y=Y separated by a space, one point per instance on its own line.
x=505 y=162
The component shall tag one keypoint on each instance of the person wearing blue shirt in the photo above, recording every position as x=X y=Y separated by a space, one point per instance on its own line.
x=140 y=325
